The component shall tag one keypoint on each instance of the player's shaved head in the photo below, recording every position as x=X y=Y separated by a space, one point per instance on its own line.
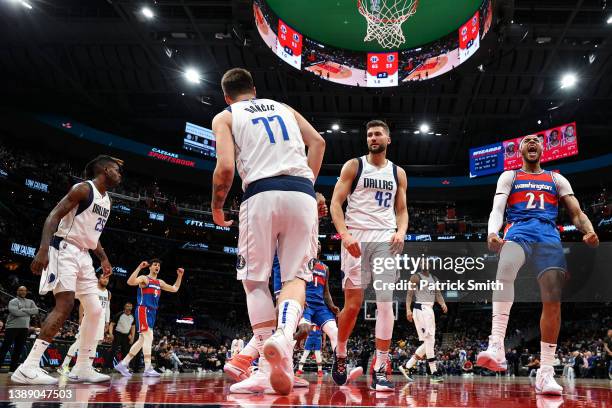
x=236 y=82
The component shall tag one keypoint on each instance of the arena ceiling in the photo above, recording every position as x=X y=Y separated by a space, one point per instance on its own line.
x=102 y=62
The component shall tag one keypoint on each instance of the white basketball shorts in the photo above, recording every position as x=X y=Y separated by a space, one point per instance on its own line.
x=359 y=270
x=424 y=320
x=70 y=269
x=283 y=221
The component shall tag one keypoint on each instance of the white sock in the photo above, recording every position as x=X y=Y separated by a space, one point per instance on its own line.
x=67 y=361
x=251 y=348
x=341 y=348
x=89 y=329
x=432 y=366
x=547 y=354
x=289 y=314
x=411 y=363
x=36 y=353
x=381 y=359
x=259 y=338
x=501 y=314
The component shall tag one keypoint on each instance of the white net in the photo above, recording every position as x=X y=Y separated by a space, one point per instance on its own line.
x=385 y=19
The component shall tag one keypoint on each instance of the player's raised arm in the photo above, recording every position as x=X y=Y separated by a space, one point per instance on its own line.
x=578 y=217
x=401 y=211
x=224 y=170
x=496 y=218
x=341 y=192
x=134 y=279
x=177 y=284
x=78 y=193
x=314 y=141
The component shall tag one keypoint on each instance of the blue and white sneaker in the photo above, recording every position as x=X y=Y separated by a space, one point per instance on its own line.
x=380 y=381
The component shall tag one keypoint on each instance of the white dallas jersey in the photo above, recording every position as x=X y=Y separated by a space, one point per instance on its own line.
x=83 y=225
x=426 y=295
x=105 y=302
x=371 y=204
x=268 y=141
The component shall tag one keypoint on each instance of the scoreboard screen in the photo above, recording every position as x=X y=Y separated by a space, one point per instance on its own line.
x=200 y=140
x=559 y=142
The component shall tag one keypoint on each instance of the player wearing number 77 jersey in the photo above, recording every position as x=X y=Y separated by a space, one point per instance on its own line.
x=266 y=140
x=531 y=199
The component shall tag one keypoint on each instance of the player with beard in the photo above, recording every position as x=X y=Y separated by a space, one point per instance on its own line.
x=530 y=197
x=376 y=213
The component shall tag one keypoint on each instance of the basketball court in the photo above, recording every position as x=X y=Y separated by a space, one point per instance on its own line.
x=453 y=89
x=212 y=390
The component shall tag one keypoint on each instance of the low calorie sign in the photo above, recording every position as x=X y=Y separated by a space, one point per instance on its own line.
x=382 y=69
x=289 y=45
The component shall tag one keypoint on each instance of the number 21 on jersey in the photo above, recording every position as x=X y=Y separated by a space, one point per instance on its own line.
x=531 y=204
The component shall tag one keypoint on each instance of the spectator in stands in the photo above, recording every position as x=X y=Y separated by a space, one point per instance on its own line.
x=122 y=329
x=608 y=351
x=533 y=366
x=17 y=326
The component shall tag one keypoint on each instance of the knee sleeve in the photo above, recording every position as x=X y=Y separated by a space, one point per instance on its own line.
x=318 y=357
x=384 y=320
x=304 y=356
x=331 y=329
x=420 y=351
x=259 y=302
x=429 y=347
x=92 y=309
x=511 y=258
x=147 y=342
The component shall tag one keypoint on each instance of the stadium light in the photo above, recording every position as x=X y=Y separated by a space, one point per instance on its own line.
x=539 y=122
x=609 y=20
x=568 y=80
x=424 y=128
x=192 y=76
x=416 y=132
x=147 y=12
x=335 y=127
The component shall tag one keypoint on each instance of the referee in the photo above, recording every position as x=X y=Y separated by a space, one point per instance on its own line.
x=122 y=329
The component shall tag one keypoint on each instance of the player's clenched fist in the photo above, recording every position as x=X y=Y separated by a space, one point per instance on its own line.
x=180 y=271
x=351 y=245
x=591 y=239
x=494 y=242
x=143 y=264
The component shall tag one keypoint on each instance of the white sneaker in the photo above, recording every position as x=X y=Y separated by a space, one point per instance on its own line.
x=278 y=352
x=545 y=382
x=354 y=374
x=494 y=357
x=87 y=375
x=32 y=375
x=300 y=382
x=258 y=382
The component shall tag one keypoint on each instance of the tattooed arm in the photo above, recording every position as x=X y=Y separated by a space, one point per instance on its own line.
x=224 y=171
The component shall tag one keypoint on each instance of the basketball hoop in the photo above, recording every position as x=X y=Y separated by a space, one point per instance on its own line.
x=385 y=19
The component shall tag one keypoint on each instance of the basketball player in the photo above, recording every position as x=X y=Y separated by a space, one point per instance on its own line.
x=376 y=213
x=424 y=320
x=105 y=296
x=237 y=346
x=239 y=367
x=266 y=140
x=531 y=198
x=148 y=293
x=72 y=229
x=314 y=342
